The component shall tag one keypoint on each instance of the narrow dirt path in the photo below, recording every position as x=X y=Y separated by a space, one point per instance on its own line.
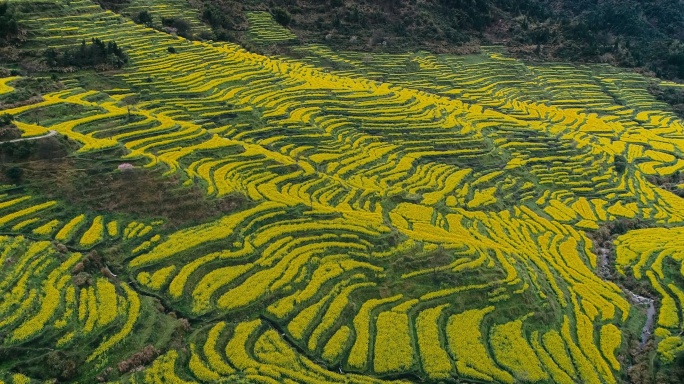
x=49 y=134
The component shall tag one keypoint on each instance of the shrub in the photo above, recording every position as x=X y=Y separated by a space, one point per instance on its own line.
x=145 y=356
x=6 y=119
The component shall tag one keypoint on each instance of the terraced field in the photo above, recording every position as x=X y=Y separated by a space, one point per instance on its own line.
x=413 y=217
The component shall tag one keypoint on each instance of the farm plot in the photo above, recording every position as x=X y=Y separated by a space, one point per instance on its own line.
x=26 y=215
x=263 y=29
x=46 y=306
x=414 y=217
x=655 y=255
x=167 y=9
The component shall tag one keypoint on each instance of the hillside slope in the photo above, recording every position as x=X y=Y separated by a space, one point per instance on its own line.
x=633 y=33
x=378 y=218
x=644 y=34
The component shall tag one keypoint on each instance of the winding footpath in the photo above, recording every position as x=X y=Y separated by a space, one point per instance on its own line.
x=49 y=134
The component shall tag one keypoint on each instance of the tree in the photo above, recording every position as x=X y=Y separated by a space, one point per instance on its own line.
x=182 y=27
x=130 y=102
x=14 y=174
x=620 y=163
x=98 y=53
x=9 y=27
x=281 y=16
x=114 y=5
x=145 y=18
